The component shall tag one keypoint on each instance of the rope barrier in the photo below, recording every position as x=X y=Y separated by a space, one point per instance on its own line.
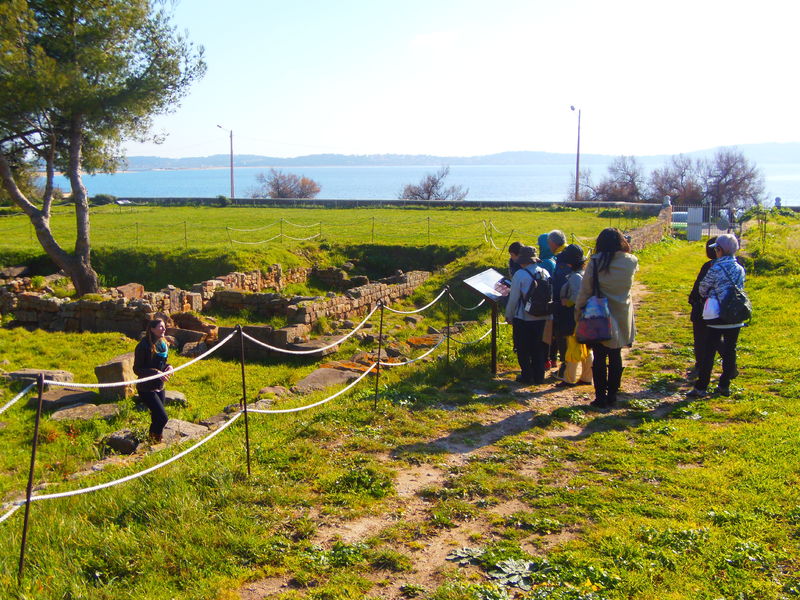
x=488 y=331
x=255 y=229
x=9 y=513
x=303 y=226
x=288 y=237
x=16 y=398
x=462 y=307
x=413 y=360
x=256 y=243
x=279 y=411
x=315 y=350
x=143 y=379
x=411 y=312
x=108 y=484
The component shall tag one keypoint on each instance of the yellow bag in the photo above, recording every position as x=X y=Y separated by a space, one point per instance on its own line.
x=576 y=352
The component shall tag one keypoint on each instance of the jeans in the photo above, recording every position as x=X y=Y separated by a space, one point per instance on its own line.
x=722 y=341
x=531 y=352
x=154 y=400
x=607 y=372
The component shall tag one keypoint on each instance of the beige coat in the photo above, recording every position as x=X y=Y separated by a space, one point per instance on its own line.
x=615 y=284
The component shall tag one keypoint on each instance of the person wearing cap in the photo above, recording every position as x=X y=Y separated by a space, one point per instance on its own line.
x=572 y=256
x=527 y=329
x=724 y=275
x=696 y=316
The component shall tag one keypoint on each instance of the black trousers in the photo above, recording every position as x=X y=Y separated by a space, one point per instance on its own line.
x=154 y=401
x=606 y=371
x=723 y=341
x=531 y=353
x=699 y=332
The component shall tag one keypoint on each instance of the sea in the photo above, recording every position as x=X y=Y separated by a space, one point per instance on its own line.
x=506 y=183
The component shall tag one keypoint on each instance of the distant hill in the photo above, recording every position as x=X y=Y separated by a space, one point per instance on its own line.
x=759 y=153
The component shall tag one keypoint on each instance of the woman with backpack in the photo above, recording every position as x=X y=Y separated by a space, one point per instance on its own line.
x=530 y=294
x=724 y=278
x=609 y=274
x=150 y=358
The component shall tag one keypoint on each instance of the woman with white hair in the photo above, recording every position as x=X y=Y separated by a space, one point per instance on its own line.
x=722 y=279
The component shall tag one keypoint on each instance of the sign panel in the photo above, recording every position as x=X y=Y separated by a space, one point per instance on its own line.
x=490 y=284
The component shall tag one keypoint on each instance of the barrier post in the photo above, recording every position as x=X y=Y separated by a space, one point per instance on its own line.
x=320 y=230
x=378 y=365
x=429 y=231
x=281 y=226
x=447 y=353
x=244 y=398
x=29 y=490
x=494 y=338
x=508 y=239
x=228 y=231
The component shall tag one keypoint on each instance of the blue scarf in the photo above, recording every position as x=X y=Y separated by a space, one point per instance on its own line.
x=162 y=349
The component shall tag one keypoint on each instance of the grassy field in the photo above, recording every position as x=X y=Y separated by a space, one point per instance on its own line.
x=158 y=246
x=529 y=493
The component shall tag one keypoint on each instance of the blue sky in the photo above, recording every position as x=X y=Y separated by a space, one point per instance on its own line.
x=465 y=78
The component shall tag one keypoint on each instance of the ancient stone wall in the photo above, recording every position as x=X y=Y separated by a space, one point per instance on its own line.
x=654 y=232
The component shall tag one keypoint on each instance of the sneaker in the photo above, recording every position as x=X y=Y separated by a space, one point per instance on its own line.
x=695 y=393
x=564 y=384
x=561 y=370
x=723 y=390
x=692 y=373
x=597 y=404
x=521 y=379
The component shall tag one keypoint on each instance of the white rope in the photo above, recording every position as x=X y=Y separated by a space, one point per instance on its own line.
x=11 y=512
x=315 y=350
x=495 y=228
x=277 y=411
x=462 y=307
x=303 y=226
x=413 y=360
x=16 y=398
x=109 y=484
x=491 y=241
x=488 y=331
x=255 y=229
x=143 y=379
x=260 y=242
x=411 y=312
x=311 y=237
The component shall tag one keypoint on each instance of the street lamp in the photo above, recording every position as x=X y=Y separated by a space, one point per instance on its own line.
x=231 y=132
x=577 y=156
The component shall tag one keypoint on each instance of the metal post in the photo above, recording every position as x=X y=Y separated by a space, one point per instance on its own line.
x=281 y=226
x=429 y=231
x=244 y=399
x=29 y=490
x=228 y=231
x=447 y=355
x=508 y=239
x=378 y=360
x=494 y=338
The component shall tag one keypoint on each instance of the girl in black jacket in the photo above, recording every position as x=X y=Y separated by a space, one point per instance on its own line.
x=696 y=301
x=150 y=358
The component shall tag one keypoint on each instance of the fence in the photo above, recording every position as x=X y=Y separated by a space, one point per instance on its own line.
x=444 y=337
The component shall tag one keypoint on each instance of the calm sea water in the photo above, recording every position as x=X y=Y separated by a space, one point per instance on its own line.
x=542 y=183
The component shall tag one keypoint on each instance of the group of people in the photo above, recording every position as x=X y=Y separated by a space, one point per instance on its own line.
x=545 y=340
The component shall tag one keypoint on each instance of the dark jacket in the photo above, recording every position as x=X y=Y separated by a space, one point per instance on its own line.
x=695 y=299
x=146 y=363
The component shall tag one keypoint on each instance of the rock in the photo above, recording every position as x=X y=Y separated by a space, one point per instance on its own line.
x=433 y=330
x=177 y=431
x=330 y=295
x=86 y=412
x=195 y=323
x=175 y=398
x=131 y=290
x=214 y=422
x=263 y=404
x=3 y=425
x=14 y=272
x=348 y=266
x=29 y=375
x=322 y=379
x=315 y=345
x=394 y=350
x=123 y=441
x=232 y=408
x=345 y=365
x=61 y=397
x=192 y=349
x=423 y=341
x=373 y=339
x=291 y=334
x=348 y=324
x=277 y=391
x=359 y=280
x=413 y=319
x=119 y=368
x=184 y=336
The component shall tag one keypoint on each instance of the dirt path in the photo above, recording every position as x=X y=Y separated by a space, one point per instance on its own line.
x=461 y=446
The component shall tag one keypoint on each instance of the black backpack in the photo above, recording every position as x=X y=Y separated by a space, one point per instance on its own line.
x=736 y=306
x=538 y=302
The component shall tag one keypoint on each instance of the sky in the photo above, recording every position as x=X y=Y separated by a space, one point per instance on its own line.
x=465 y=78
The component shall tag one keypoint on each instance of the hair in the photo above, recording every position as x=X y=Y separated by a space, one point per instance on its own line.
x=711 y=252
x=609 y=242
x=574 y=257
x=149 y=334
x=557 y=237
x=728 y=243
x=514 y=247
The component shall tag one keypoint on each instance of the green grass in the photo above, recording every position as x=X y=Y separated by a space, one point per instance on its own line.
x=692 y=500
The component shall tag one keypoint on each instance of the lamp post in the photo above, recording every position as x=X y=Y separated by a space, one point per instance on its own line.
x=230 y=131
x=577 y=156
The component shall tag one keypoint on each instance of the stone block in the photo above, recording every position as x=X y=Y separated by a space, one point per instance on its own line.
x=119 y=368
x=291 y=334
x=29 y=375
x=123 y=441
x=177 y=431
x=322 y=379
x=86 y=412
x=175 y=398
x=131 y=290
x=192 y=349
x=183 y=336
x=61 y=397
x=274 y=391
x=12 y=272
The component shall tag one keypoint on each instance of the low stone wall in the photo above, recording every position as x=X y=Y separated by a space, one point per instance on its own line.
x=652 y=233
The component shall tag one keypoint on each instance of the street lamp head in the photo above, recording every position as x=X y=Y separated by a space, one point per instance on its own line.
x=220 y=126
x=572 y=107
